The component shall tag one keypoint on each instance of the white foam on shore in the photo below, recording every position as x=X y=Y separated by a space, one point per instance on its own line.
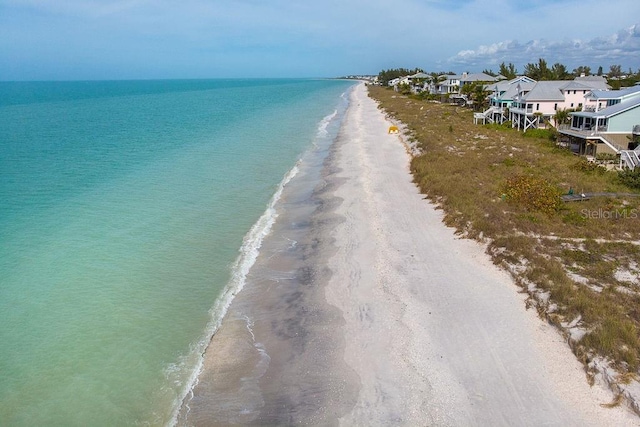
x=324 y=123
x=249 y=252
x=250 y=382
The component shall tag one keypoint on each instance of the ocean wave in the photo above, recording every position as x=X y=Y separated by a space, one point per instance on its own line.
x=324 y=123
x=249 y=252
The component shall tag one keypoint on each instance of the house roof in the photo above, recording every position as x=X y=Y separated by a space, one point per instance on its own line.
x=551 y=90
x=506 y=90
x=512 y=91
x=478 y=77
x=548 y=90
x=596 y=82
x=503 y=85
x=613 y=110
x=614 y=94
x=573 y=85
x=474 y=77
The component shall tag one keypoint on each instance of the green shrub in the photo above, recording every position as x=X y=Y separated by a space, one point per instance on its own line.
x=574 y=218
x=630 y=178
x=508 y=161
x=425 y=95
x=583 y=165
x=498 y=126
x=606 y=156
x=540 y=133
x=532 y=193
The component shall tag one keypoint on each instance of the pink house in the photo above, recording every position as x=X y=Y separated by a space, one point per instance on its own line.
x=532 y=108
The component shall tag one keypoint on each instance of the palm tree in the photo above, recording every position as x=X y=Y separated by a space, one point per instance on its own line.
x=561 y=117
x=509 y=71
x=559 y=72
x=477 y=93
x=479 y=96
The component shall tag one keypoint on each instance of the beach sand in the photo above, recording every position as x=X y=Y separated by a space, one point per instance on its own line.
x=380 y=315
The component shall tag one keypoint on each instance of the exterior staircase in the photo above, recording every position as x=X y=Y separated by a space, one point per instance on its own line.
x=486 y=116
x=613 y=144
x=630 y=158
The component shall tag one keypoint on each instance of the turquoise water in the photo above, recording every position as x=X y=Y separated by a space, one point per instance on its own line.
x=123 y=209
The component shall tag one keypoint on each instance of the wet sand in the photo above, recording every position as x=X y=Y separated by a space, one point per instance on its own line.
x=278 y=357
x=378 y=314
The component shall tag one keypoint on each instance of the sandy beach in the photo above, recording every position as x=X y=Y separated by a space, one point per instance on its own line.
x=381 y=315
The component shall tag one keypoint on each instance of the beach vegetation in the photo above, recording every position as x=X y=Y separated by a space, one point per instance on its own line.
x=540 y=133
x=577 y=261
x=607 y=157
x=630 y=178
x=585 y=166
x=404 y=89
x=533 y=193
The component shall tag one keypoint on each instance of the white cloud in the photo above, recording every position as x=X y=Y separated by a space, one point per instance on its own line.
x=622 y=48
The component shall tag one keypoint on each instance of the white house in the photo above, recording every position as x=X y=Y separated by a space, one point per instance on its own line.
x=452 y=84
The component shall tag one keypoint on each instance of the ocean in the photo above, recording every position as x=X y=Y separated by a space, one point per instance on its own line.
x=131 y=213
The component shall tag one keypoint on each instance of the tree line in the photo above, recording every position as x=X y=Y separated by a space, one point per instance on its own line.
x=540 y=70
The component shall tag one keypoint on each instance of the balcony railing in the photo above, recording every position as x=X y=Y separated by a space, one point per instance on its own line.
x=587 y=130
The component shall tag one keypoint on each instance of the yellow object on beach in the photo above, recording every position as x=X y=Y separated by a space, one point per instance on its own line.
x=393 y=129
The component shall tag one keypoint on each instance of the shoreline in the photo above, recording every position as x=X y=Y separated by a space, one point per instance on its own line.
x=270 y=339
x=382 y=315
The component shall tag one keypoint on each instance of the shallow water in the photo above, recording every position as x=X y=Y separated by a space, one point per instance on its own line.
x=124 y=205
x=276 y=360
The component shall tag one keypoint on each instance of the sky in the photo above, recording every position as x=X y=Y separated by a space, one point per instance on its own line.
x=154 y=39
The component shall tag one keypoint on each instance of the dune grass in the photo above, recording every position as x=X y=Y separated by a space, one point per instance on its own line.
x=578 y=261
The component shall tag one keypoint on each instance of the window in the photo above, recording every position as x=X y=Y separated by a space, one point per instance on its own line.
x=572 y=105
x=537 y=106
x=555 y=106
